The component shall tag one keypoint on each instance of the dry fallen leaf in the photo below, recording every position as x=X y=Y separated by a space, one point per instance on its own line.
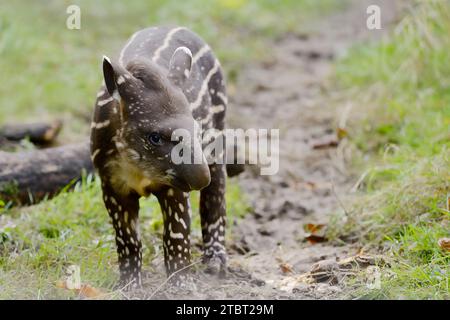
x=444 y=244
x=286 y=267
x=316 y=233
x=84 y=291
x=341 y=133
x=90 y=292
x=313 y=239
x=313 y=228
x=73 y=283
x=328 y=141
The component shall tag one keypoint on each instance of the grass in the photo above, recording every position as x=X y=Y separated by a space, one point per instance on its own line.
x=49 y=71
x=401 y=134
x=38 y=243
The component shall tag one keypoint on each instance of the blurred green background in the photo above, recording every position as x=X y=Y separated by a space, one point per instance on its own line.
x=50 y=71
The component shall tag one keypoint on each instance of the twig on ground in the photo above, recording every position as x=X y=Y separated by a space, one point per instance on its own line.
x=360 y=180
x=338 y=199
x=171 y=276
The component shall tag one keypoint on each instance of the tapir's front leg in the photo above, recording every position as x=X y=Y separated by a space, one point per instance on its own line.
x=213 y=219
x=176 y=211
x=124 y=210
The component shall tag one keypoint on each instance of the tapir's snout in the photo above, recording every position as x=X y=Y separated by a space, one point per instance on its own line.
x=192 y=177
x=197 y=176
x=192 y=170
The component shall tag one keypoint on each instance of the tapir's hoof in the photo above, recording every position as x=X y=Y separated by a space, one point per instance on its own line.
x=128 y=285
x=216 y=264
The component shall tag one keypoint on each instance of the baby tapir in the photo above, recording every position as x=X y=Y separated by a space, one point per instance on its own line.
x=164 y=79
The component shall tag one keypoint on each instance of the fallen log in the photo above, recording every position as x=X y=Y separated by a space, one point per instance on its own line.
x=38 y=133
x=28 y=177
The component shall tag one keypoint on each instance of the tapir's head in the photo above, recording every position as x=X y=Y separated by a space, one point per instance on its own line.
x=153 y=111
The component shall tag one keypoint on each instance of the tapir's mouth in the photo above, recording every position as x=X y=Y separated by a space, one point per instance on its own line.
x=180 y=184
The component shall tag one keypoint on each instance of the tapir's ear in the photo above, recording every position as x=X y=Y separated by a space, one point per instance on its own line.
x=111 y=73
x=180 y=65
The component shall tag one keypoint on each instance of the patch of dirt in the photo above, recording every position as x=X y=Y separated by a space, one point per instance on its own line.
x=289 y=93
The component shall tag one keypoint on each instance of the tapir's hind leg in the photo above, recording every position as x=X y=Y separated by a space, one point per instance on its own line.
x=212 y=198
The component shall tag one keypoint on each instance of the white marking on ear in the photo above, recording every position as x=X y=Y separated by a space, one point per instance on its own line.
x=186 y=50
x=180 y=65
x=116 y=95
x=120 y=80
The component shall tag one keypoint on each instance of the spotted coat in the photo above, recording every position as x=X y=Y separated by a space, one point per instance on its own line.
x=117 y=126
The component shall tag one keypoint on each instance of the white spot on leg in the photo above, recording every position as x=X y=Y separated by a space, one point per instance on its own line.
x=101 y=103
x=174 y=235
x=214 y=225
x=94 y=154
x=183 y=223
x=100 y=125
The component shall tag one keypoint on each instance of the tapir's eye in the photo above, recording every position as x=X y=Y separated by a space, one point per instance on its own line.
x=155 y=139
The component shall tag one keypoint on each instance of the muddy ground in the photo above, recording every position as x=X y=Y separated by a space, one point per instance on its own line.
x=291 y=91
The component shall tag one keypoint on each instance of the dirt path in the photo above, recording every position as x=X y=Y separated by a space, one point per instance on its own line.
x=289 y=93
